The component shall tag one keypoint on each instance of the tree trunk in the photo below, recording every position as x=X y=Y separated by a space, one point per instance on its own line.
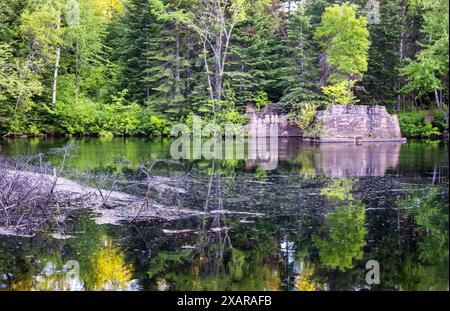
x=77 y=71
x=437 y=99
x=177 y=63
x=55 y=73
x=189 y=57
x=401 y=52
x=218 y=66
x=23 y=75
x=208 y=73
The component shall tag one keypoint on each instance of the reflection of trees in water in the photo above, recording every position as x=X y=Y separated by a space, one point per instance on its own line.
x=305 y=280
x=344 y=237
x=108 y=269
x=214 y=263
x=415 y=276
x=328 y=252
x=324 y=220
x=339 y=190
x=204 y=269
x=105 y=270
x=427 y=269
x=42 y=264
x=397 y=209
x=429 y=209
x=343 y=233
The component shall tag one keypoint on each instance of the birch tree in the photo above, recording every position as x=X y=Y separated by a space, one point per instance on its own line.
x=214 y=22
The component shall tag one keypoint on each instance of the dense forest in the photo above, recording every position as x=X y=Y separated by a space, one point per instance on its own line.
x=133 y=67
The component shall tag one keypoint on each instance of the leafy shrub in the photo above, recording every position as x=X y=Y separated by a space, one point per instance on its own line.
x=231 y=116
x=85 y=117
x=262 y=99
x=153 y=125
x=305 y=116
x=439 y=120
x=33 y=130
x=122 y=119
x=81 y=117
x=412 y=124
x=314 y=131
x=340 y=93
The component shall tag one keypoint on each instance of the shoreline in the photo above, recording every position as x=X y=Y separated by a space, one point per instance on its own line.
x=443 y=138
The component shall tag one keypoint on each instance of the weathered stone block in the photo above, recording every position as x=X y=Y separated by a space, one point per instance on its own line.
x=350 y=123
x=271 y=115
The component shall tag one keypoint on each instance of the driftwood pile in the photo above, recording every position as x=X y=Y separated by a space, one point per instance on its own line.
x=34 y=196
x=30 y=200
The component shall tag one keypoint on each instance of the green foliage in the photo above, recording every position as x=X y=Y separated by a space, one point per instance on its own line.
x=345 y=227
x=8 y=85
x=154 y=49
x=428 y=71
x=251 y=63
x=430 y=212
x=305 y=117
x=439 y=120
x=345 y=40
x=122 y=119
x=302 y=92
x=85 y=117
x=417 y=124
x=340 y=93
x=314 y=131
x=339 y=189
x=231 y=116
x=153 y=125
x=262 y=99
x=345 y=236
x=82 y=117
x=381 y=81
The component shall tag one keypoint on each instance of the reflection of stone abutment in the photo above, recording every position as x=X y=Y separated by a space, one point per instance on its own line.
x=351 y=160
x=333 y=160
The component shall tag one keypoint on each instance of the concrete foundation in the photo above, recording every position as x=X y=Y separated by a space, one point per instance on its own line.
x=358 y=123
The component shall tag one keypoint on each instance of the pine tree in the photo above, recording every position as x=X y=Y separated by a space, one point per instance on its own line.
x=302 y=78
x=252 y=60
x=168 y=68
x=384 y=59
x=131 y=49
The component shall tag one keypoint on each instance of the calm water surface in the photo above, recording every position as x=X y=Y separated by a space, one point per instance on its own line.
x=321 y=215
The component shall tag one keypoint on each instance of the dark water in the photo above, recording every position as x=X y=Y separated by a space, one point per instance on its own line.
x=322 y=213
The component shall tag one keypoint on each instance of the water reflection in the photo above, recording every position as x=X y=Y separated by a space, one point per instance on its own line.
x=331 y=159
x=343 y=232
x=334 y=160
x=90 y=262
x=306 y=251
x=350 y=160
x=316 y=232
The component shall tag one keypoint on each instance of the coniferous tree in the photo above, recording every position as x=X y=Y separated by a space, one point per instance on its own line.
x=384 y=59
x=301 y=50
x=252 y=62
x=132 y=47
x=428 y=72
